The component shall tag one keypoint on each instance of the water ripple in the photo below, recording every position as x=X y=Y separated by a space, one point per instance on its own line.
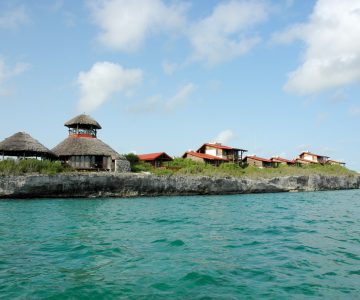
x=273 y=246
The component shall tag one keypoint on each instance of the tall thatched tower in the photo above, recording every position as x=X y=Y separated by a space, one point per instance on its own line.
x=83 y=150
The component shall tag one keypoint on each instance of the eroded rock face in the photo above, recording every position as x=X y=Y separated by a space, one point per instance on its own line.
x=130 y=185
x=122 y=165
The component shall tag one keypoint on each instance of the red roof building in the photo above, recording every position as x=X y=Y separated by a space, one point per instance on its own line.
x=231 y=154
x=156 y=159
x=202 y=157
x=315 y=158
x=280 y=160
x=253 y=160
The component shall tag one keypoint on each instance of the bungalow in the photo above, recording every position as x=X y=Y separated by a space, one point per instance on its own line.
x=156 y=159
x=230 y=154
x=205 y=158
x=253 y=160
x=277 y=160
x=308 y=157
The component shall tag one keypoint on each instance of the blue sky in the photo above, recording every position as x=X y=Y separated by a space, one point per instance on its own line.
x=273 y=77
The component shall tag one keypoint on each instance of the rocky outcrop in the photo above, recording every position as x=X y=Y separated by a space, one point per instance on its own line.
x=130 y=185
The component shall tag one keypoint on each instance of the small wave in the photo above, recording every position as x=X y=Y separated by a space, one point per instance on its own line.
x=201 y=279
x=177 y=243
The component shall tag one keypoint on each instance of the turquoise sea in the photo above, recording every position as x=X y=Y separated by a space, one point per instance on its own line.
x=268 y=246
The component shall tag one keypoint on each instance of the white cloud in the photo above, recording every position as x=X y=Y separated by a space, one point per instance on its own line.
x=169 y=68
x=13 y=18
x=7 y=72
x=180 y=98
x=225 y=136
x=126 y=24
x=322 y=117
x=223 y=35
x=158 y=103
x=332 y=53
x=216 y=38
x=355 y=111
x=338 y=96
x=103 y=80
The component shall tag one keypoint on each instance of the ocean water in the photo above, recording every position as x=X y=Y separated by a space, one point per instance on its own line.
x=268 y=246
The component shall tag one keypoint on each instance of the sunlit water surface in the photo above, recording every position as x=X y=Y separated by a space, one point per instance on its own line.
x=291 y=245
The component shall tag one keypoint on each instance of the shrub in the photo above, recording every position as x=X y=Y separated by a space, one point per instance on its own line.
x=26 y=166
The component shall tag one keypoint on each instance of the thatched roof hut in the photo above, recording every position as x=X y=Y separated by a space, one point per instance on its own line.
x=85 y=121
x=84 y=146
x=22 y=144
x=83 y=150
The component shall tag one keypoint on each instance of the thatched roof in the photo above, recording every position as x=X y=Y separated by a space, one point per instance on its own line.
x=83 y=120
x=85 y=146
x=22 y=144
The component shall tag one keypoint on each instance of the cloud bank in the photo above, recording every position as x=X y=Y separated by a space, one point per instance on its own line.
x=216 y=38
x=13 y=18
x=103 y=80
x=160 y=104
x=222 y=35
x=225 y=136
x=7 y=72
x=125 y=25
x=332 y=53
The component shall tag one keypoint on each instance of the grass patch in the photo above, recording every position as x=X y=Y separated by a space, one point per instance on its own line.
x=180 y=166
x=32 y=166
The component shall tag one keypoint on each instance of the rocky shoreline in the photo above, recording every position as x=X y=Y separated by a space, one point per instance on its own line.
x=91 y=185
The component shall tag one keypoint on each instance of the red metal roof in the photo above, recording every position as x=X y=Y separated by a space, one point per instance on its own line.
x=282 y=159
x=307 y=152
x=204 y=156
x=220 y=146
x=152 y=156
x=257 y=158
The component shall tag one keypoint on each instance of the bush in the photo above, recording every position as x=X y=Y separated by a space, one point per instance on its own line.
x=26 y=166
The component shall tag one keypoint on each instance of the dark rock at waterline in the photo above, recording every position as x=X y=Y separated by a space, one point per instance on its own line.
x=131 y=185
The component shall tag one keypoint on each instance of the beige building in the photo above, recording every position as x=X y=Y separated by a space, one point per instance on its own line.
x=231 y=154
x=307 y=157
x=205 y=158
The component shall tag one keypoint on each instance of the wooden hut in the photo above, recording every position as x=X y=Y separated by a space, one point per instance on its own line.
x=155 y=159
x=83 y=150
x=22 y=145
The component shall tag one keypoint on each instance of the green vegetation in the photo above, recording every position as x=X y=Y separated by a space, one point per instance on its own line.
x=182 y=166
x=28 y=166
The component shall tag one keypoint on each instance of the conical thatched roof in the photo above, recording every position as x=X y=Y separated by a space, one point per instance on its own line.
x=22 y=144
x=84 y=120
x=85 y=146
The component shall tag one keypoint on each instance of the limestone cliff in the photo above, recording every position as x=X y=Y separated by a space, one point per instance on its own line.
x=129 y=185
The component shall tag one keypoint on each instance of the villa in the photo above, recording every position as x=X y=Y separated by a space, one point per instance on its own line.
x=307 y=157
x=228 y=153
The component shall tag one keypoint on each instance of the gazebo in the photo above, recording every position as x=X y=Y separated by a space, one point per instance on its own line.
x=83 y=150
x=22 y=145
